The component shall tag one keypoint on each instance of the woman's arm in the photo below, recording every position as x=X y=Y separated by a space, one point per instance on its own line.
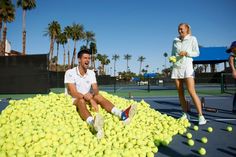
x=232 y=66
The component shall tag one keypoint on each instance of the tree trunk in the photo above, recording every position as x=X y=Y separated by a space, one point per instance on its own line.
x=57 y=53
x=103 y=69
x=51 y=48
x=64 y=56
x=24 y=33
x=114 y=68
x=68 y=54
x=24 y=43
x=140 y=67
x=93 y=61
x=4 y=39
x=73 y=58
x=69 y=59
x=74 y=53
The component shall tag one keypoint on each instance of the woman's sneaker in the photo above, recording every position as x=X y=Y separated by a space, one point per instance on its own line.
x=185 y=116
x=128 y=114
x=201 y=120
x=98 y=126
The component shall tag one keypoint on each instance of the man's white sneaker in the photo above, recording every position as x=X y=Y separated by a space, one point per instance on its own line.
x=201 y=120
x=98 y=126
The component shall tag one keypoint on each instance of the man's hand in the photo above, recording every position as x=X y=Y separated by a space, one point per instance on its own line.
x=88 y=96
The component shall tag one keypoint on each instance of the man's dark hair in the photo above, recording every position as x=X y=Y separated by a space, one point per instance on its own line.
x=81 y=52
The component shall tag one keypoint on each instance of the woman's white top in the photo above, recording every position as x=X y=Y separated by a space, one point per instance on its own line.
x=183 y=67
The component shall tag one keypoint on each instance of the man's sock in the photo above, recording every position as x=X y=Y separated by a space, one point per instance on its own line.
x=90 y=120
x=116 y=112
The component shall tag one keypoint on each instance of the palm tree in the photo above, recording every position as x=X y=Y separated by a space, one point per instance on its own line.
x=7 y=15
x=93 y=50
x=127 y=57
x=104 y=61
x=115 y=58
x=68 y=32
x=141 y=59
x=147 y=66
x=53 y=30
x=165 y=55
x=58 y=44
x=62 y=40
x=77 y=31
x=89 y=37
x=25 y=5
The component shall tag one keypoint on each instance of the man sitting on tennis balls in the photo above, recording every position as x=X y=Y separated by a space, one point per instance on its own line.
x=81 y=84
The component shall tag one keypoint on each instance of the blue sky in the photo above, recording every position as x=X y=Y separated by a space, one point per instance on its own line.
x=136 y=27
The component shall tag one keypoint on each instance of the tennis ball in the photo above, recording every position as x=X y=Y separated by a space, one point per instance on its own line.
x=191 y=142
x=202 y=151
x=204 y=140
x=195 y=128
x=209 y=129
x=189 y=135
x=229 y=128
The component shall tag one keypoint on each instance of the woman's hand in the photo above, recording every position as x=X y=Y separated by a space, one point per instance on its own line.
x=183 y=53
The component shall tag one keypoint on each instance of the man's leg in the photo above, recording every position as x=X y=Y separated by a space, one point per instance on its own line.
x=106 y=104
x=127 y=114
x=82 y=109
x=96 y=123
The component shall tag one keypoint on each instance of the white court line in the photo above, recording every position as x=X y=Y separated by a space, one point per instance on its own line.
x=222 y=119
x=217 y=119
x=119 y=88
x=196 y=120
x=176 y=98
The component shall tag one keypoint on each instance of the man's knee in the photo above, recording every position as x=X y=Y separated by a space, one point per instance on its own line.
x=79 y=102
x=98 y=98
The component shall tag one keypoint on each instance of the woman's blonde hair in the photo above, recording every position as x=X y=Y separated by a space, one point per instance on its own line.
x=188 y=27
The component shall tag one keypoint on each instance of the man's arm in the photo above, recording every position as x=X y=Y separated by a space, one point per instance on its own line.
x=88 y=96
x=231 y=64
x=73 y=92
x=95 y=89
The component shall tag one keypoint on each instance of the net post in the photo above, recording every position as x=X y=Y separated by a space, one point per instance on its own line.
x=222 y=82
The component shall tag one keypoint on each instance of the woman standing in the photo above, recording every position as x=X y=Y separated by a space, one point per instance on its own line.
x=185 y=46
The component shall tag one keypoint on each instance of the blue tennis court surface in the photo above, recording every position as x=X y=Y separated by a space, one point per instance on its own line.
x=220 y=142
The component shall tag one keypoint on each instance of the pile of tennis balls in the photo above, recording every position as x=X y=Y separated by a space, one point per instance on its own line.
x=49 y=125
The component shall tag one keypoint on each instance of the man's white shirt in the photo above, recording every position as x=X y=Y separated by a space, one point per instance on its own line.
x=83 y=83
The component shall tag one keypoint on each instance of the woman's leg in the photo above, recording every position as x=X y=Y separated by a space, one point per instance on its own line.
x=180 y=89
x=192 y=92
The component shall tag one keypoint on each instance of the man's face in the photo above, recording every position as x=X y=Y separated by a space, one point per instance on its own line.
x=84 y=61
